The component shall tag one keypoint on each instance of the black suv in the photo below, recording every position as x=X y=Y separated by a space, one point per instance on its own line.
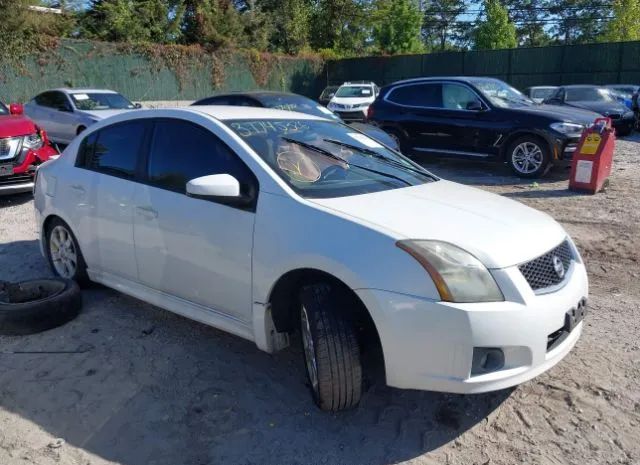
x=478 y=118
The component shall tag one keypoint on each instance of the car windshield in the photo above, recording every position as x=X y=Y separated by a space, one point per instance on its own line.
x=354 y=91
x=298 y=103
x=101 y=101
x=3 y=109
x=322 y=159
x=502 y=94
x=542 y=93
x=588 y=94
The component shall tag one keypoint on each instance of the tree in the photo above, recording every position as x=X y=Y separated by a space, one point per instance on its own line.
x=441 y=29
x=132 y=21
x=291 y=20
x=625 y=24
x=578 y=21
x=212 y=22
x=530 y=17
x=496 y=31
x=396 y=26
x=340 y=25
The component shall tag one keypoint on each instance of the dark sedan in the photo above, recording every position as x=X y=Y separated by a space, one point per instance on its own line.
x=293 y=102
x=597 y=99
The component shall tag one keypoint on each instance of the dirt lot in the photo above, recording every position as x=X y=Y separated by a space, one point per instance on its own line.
x=131 y=384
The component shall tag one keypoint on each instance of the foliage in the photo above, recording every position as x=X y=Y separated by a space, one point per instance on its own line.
x=440 y=29
x=625 y=24
x=291 y=20
x=496 y=31
x=396 y=26
x=531 y=17
x=580 y=21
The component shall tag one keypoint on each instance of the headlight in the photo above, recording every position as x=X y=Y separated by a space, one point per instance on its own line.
x=458 y=275
x=32 y=141
x=567 y=128
x=331 y=106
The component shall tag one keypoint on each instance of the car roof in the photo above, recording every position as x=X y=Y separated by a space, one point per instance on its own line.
x=229 y=112
x=255 y=94
x=81 y=90
x=468 y=79
x=543 y=87
x=582 y=86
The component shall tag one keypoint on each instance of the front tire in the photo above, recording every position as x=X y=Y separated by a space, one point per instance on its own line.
x=528 y=156
x=331 y=349
x=63 y=253
x=400 y=139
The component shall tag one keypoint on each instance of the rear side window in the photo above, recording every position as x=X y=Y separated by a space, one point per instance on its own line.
x=417 y=95
x=182 y=151
x=116 y=149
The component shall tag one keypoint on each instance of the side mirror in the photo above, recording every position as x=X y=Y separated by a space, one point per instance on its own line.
x=137 y=105
x=214 y=186
x=331 y=95
x=475 y=105
x=16 y=109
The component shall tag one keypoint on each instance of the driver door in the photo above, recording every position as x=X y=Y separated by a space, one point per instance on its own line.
x=195 y=249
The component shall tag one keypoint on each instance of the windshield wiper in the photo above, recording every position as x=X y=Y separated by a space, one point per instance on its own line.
x=379 y=156
x=328 y=154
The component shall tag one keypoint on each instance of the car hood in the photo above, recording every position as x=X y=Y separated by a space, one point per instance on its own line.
x=101 y=114
x=564 y=113
x=376 y=133
x=352 y=100
x=604 y=108
x=498 y=231
x=16 y=125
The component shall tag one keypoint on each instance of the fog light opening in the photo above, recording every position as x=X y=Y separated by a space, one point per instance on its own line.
x=486 y=360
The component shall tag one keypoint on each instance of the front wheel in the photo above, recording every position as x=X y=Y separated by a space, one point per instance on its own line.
x=63 y=253
x=331 y=348
x=528 y=157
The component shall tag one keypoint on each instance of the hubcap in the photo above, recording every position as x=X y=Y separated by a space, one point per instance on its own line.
x=527 y=157
x=63 y=252
x=309 y=351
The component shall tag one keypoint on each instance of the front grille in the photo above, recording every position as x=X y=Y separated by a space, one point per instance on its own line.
x=15 y=179
x=544 y=271
x=9 y=147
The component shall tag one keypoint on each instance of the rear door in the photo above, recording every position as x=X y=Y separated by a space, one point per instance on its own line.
x=195 y=249
x=107 y=194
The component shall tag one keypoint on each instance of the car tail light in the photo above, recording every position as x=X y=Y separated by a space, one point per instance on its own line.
x=370 y=112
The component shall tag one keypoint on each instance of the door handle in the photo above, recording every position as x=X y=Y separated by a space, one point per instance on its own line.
x=147 y=212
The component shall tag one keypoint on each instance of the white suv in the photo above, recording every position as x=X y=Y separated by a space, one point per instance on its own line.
x=263 y=222
x=352 y=99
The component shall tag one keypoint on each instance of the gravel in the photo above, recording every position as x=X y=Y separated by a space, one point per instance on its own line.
x=144 y=386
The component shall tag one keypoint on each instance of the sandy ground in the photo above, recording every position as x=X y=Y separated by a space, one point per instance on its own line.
x=131 y=384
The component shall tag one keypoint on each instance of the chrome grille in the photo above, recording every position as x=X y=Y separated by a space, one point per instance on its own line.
x=541 y=272
x=9 y=147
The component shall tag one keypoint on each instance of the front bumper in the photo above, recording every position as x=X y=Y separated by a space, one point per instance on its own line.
x=623 y=125
x=564 y=146
x=429 y=345
x=24 y=167
x=356 y=115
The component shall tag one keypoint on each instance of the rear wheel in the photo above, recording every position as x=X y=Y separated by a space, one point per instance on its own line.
x=63 y=253
x=331 y=348
x=528 y=156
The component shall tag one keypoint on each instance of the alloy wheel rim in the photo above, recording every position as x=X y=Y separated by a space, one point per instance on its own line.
x=309 y=350
x=527 y=157
x=63 y=252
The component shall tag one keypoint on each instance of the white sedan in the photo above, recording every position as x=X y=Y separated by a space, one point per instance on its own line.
x=264 y=222
x=65 y=113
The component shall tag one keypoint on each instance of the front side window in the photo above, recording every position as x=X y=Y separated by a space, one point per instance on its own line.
x=182 y=151
x=101 y=101
x=117 y=149
x=457 y=97
x=542 y=93
x=327 y=159
x=354 y=92
x=427 y=95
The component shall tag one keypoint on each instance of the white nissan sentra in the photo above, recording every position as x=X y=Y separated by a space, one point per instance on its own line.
x=265 y=222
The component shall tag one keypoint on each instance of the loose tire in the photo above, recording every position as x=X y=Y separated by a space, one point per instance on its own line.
x=331 y=349
x=63 y=253
x=34 y=306
x=528 y=156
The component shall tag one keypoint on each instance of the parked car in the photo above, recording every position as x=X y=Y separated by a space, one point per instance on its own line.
x=327 y=94
x=478 y=118
x=624 y=92
x=23 y=146
x=539 y=93
x=352 y=99
x=596 y=99
x=293 y=102
x=263 y=222
x=65 y=113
